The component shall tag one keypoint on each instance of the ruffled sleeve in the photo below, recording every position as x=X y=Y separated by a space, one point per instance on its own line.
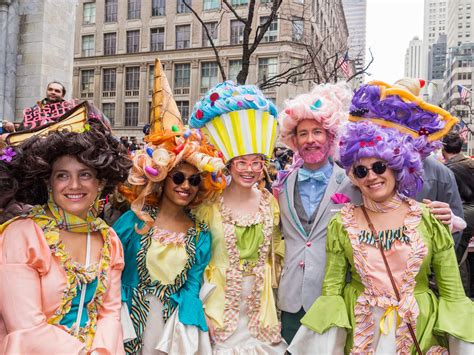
x=456 y=311
x=329 y=310
x=108 y=337
x=190 y=308
x=125 y=229
x=25 y=257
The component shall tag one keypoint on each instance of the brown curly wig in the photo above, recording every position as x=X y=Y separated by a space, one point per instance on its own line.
x=96 y=147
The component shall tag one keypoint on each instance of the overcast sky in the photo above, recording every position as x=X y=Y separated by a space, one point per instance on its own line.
x=390 y=27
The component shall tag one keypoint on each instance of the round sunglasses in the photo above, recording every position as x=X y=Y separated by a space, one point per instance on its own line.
x=361 y=171
x=179 y=178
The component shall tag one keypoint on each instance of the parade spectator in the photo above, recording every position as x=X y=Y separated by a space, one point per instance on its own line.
x=246 y=241
x=306 y=194
x=390 y=244
x=163 y=241
x=60 y=265
x=463 y=169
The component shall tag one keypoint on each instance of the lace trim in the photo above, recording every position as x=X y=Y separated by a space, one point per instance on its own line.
x=234 y=275
x=407 y=307
x=51 y=232
x=166 y=237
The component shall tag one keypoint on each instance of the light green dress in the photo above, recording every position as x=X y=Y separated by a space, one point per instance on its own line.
x=352 y=305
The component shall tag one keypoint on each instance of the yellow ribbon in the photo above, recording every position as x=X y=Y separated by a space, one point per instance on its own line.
x=388 y=313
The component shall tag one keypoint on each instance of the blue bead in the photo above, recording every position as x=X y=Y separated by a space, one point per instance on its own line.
x=149 y=151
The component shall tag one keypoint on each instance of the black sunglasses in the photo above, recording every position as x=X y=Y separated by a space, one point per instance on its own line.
x=179 y=178
x=361 y=171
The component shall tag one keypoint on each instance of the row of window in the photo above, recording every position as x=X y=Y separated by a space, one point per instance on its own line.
x=267 y=68
x=131 y=111
x=183 y=37
x=158 y=8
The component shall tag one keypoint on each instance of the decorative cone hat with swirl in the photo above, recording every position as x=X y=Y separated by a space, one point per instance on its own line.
x=169 y=144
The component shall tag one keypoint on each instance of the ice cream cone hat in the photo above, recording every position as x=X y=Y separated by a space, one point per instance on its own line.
x=165 y=115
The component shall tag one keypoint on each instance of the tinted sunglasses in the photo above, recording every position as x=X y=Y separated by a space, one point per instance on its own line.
x=361 y=171
x=179 y=178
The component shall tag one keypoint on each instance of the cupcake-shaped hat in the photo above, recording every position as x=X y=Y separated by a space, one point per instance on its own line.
x=237 y=119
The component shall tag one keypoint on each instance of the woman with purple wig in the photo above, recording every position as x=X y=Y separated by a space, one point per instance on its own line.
x=390 y=243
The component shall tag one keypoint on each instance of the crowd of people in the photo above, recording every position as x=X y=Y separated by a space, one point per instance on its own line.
x=325 y=228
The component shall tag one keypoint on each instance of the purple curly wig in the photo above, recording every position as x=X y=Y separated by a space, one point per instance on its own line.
x=366 y=140
x=367 y=103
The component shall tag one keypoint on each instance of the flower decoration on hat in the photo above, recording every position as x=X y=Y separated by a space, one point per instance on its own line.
x=237 y=119
x=7 y=154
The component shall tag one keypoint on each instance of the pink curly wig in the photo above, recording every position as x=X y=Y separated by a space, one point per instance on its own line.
x=328 y=104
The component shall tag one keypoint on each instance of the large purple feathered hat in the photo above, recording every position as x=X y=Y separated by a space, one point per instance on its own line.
x=394 y=124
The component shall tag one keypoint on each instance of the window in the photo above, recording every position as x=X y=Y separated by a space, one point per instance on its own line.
x=183 y=36
x=131 y=114
x=181 y=8
x=158 y=7
x=267 y=68
x=272 y=31
x=183 y=107
x=239 y=2
x=212 y=28
x=110 y=10
x=210 y=5
x=108 y=109
x=182 y=78
x=133 y=41
x=234 y=69
x=295 y=63
x=157 y=39
x=88 y=45
x=110 y=43
x=132 y=81
x=208 y=76
x=89 y=13
x=151 y=79
x=87 y=81
x=297 y=23
x=236 y=32
x=108 y=81
x=133 y=9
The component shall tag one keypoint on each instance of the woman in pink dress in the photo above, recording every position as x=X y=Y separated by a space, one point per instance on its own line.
x=60 y=264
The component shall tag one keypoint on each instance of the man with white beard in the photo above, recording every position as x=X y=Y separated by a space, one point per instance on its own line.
x=309 y=194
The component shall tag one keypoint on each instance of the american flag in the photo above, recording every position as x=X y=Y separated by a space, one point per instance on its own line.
x=463 y=92
x=344 y=65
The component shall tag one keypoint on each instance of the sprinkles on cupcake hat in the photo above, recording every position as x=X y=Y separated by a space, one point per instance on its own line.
x=237 y=119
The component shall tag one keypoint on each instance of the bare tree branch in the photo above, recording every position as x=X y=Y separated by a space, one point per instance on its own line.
x=231 y=8
x=364 y=69
x=209 y=37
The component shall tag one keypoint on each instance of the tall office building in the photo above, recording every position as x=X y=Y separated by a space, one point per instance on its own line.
x=36 y=47
x=356 y=18
x=460 y=62
x=116 y=43
x=413 y=58
x=434 y=25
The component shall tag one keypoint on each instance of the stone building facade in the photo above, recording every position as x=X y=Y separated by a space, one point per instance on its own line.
x=36 y=47
x=116 y=43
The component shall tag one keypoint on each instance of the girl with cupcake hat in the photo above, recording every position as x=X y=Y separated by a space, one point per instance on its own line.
x=166 y=247
x=246 y=242
x=390 y=243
